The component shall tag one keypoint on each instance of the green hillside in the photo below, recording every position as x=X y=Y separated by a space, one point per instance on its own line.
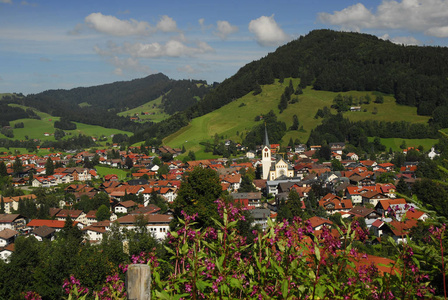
x=235 y=119
x=35 y=129
x=153 y=108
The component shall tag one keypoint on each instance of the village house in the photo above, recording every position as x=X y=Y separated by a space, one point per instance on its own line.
x=76 y=215
x=12 y=221
x=157 y=224
x=247 y=200
x=43 y=233
x=12 y=203
x=334 y=204
x=125 y=207
x=317 y=222
x=7 y=236
x=6 y=252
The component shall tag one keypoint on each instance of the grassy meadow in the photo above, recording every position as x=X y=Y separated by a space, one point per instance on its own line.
x=395 y=143
x=153 y=107
x=235 y=119
x=104 y=170
x=35 y=129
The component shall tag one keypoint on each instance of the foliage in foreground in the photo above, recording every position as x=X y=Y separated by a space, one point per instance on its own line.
x=288 y=261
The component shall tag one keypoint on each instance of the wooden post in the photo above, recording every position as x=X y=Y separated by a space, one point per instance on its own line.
x=138 y=282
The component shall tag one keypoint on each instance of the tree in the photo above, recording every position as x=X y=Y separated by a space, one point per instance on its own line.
x=246 y=185
x=17 y=165
x=379 y=99
x=103 y=213
x=336 y=165
x=59 y=133
x=49 y=167
x=283 y=212
x=3 y=169
x=294 y=204
x=71 y=231
x=191 y=155
x=402 y=187
x=197 y=194
x=128 y=162
x=295 y=123
x=2 y=206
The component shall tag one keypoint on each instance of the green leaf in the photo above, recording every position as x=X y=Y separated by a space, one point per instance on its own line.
x=202 y=285
x=235 y=283
x=177 y=297
x=169 y=250
x=317 y=252
x=184 y=249
x=285 y=288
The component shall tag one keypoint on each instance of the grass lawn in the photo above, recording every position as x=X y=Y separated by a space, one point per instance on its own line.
x=395 y=143
x=103 y=170
x=35 y=129
x=235 y=120
x=14 y=151
x=153 y=107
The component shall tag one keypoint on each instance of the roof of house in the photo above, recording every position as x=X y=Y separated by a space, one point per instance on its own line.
x=43 y=231
x=73 y=213
x=7 y=233
x=9 y=218
x=49 y=223
x=361 y=211
x=127 y=204
x=152 y=219
x=318 y=221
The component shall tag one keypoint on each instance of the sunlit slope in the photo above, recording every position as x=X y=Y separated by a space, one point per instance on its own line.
x=235 y=119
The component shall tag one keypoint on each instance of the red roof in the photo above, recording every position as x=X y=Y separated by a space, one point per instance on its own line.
x=49 y=223
x=318 y=221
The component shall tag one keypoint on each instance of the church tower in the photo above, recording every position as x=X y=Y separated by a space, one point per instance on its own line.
x=266 y=155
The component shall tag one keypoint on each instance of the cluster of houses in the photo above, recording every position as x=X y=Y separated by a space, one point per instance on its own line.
x=353 y=193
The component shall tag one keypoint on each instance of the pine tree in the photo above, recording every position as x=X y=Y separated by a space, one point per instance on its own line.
x=17 y=165
x=3 y=169
x=49 y=167
x=2 y=206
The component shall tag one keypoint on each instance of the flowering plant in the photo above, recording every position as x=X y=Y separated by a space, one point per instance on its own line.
x=288 y=261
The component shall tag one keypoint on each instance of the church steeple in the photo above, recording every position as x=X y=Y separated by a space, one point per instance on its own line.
x=266 y=139
x=266 y=155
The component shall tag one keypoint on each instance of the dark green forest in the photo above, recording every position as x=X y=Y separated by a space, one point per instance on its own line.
x=336 y=61
x=324 y=59
x=105 y=101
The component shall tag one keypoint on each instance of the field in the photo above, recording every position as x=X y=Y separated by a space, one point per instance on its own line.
x=35 y=129
x=235 y=119
x=102 y=171
x=395 y=143
x=156 y=114
x=15 y=151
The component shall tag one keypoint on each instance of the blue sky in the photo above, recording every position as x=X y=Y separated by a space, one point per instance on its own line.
x=66 y=44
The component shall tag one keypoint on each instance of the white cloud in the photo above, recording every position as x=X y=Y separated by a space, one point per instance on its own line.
x=172 y=48
x=167 y=24
x=114 y=26
x=26 y=3
x=428 y=16
x=405 y=40
x=267 y=31
x=129 y=64
x=187 y=69
x=440 y=32
x=224 y=29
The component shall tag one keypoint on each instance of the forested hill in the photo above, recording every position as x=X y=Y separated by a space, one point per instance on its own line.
x=98 y=105
x=337 y=61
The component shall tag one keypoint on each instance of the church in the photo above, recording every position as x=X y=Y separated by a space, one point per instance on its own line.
x=273 y=169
